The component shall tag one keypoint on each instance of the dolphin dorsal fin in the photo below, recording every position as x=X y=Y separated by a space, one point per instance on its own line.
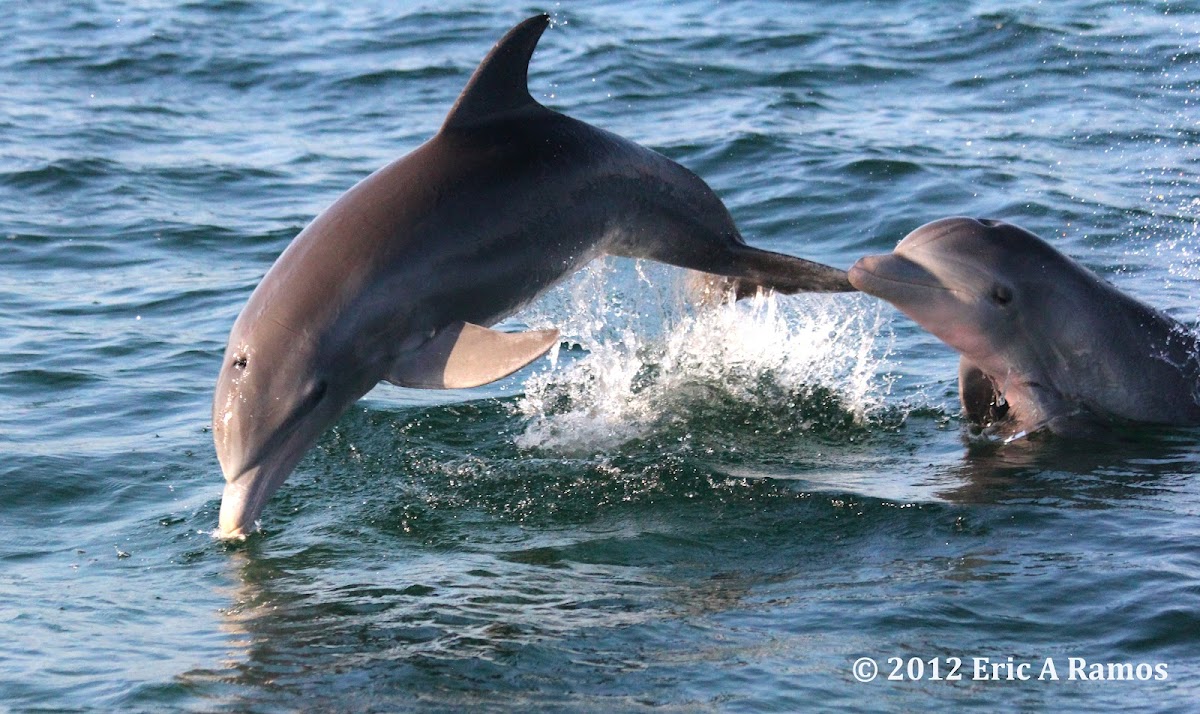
x=500 y=84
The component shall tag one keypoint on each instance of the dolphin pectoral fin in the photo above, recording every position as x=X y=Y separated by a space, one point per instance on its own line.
x=466 y=355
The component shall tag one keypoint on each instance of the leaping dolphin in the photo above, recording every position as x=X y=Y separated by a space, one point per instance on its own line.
x=400 y=278
x=1045 y=343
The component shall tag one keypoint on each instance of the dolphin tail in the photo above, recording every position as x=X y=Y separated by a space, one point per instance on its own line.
x=754 y=268
x=707 y=289
x=747 y=269
x=466 y=355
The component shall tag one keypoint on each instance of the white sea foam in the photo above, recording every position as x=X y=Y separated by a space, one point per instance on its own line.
x=649 y=354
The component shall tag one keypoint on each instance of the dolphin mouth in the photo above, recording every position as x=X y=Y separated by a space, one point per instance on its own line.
x=243 y=500
x=878 y=274
x=239 y=509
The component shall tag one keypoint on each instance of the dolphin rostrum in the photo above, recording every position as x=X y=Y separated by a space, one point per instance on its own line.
x=400 y=278
x=1045 y=343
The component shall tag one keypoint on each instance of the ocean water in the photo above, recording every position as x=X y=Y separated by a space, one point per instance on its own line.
x=682 y=509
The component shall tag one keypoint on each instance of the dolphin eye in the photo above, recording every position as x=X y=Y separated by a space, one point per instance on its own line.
x=240 y=361
x=1001 y=294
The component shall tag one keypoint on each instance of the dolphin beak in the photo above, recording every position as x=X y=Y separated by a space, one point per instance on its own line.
x=241 y=505
x=891 y=276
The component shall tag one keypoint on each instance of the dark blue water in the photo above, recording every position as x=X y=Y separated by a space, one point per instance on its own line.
x=684 y=511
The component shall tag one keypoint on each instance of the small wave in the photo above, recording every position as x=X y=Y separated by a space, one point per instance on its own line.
x=881 y=168
x=61 y=174
x=384 y=77
x=803 y=356
x=222 y=7
x=36 y=379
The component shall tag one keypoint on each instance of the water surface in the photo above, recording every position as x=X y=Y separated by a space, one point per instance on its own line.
x=683 y=511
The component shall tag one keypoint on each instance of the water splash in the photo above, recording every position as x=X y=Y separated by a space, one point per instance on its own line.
x=650 y=359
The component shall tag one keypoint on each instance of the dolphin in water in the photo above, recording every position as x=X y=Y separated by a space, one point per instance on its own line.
x=1045 y=343
x=400 y=279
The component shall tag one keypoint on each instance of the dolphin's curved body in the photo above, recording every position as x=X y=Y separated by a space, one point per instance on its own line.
x=400 y=277
x=1045 y=343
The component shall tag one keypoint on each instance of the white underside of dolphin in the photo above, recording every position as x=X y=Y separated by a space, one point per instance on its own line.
x=401 y=278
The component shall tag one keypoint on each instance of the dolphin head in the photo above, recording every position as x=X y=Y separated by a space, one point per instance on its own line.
x=953 y=278
x=276 y=393
x=1008 y=302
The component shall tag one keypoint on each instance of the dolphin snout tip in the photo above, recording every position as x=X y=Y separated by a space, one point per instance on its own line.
x=862 y=269
x=238 y=512
x=237 y=534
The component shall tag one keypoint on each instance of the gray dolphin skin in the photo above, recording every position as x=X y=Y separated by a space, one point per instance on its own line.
x=1045 y=343
x=400 y=278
